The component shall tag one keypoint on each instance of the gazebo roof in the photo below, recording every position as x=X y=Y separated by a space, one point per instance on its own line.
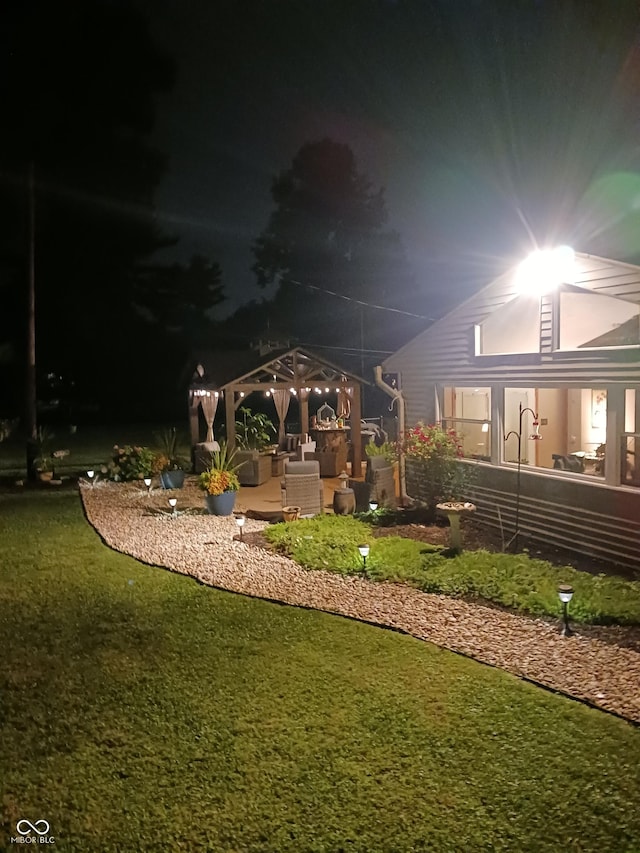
x=279 y=368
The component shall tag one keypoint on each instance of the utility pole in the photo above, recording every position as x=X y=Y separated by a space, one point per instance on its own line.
x=30 y=416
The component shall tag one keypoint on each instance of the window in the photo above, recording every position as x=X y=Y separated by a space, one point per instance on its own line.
x=572 y=425
x=630 y=442
x=594 y=321
x=468 y=411
x=513 y=328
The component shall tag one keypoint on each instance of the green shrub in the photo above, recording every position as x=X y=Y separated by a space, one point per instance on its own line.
x=531 y=586
x=516 y=581
x=129 y=463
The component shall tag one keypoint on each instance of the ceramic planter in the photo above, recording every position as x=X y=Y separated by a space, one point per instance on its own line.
x=220 y=504
x=172 y=479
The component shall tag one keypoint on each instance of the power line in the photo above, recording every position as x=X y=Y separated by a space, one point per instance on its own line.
x=359 y=301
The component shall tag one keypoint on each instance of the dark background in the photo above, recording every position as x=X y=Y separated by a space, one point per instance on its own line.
x=157 y=127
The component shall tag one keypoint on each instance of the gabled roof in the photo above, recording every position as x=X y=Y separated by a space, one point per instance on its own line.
x=283 y=367
x=592 y=273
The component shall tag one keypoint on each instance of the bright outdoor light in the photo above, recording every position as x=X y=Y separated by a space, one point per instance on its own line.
x=90 y=474
x=485 y=426
x=373 y=505
x=364 y=553
x=565 y=594
x=172 y=504
x=240 y=520
x=545 y=269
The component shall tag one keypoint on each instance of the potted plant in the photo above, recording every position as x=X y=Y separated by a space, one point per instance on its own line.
x=220 y=482
x=43 y=461
x=168 y=463
x=255 y=430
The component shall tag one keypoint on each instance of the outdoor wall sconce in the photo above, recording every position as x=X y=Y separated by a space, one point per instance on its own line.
x=565 y=594
x=485 y=426
x=147 y=482
x=172 y=504
x=240 y=521
x=364 y=553
x=373 y=505
x=91 y=475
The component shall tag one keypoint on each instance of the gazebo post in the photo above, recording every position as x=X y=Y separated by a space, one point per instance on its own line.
x=356 y=431
x=230 y=415
x=303 y=397
x=194 y=424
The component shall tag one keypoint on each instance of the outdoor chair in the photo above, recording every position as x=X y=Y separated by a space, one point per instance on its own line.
x=301 y=486
x=256 y=467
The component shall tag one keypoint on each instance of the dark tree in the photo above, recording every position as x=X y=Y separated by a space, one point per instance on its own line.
x=326 y=249
x=77 y=84
x=178 y=299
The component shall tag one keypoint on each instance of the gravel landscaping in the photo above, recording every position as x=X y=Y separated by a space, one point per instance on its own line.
x=598 y=665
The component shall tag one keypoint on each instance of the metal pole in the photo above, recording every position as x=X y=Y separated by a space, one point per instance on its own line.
x=30 y=415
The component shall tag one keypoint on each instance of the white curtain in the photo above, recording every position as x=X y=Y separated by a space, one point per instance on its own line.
x=209 y=405
x=344 y=403
x=281 y=399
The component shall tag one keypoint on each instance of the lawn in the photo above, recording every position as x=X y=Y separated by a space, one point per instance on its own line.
x=143 y=711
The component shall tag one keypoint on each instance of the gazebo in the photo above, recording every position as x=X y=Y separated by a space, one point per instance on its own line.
x=280 y=375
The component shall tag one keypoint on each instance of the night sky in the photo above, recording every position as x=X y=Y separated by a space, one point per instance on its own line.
x=490 y=124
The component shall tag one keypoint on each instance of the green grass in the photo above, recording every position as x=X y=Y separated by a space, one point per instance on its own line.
x=517 y=581
x=142 y=711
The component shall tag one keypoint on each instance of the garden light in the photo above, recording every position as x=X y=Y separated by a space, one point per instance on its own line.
x=565 y=594
x=364 y=553
x=91 y=475
x=240 y=521
x=147 y=482
x=373 y=505
x=172 y=504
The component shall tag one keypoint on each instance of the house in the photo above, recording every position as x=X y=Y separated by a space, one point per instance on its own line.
x=542 y=354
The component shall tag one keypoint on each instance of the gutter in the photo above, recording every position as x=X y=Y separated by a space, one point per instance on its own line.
x=397 y=397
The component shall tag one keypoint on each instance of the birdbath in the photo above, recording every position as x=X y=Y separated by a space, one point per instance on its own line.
x=453 y=510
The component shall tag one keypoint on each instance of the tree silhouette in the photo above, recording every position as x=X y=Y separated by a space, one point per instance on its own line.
x=326 y=249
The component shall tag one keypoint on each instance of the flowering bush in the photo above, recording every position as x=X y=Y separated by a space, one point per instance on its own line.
x=221 y=475
x=215 y=482
x=129 y=463
x=428 y=441
x=435 y=453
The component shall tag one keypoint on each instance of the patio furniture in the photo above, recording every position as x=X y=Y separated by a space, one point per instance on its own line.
x=301 y=486
x=256 y=467
x=202 y=455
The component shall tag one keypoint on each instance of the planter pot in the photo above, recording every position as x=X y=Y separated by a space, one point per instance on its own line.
x=220 y=504
x=172 y=479
x=45 y=476
x=290 y=513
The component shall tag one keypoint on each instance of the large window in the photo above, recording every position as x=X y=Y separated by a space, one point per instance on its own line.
x=572 y=425
x=512 y=328
x=468 y=411
x=595 y=321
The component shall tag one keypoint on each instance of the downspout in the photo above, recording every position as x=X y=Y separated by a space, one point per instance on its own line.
x=397 y=397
